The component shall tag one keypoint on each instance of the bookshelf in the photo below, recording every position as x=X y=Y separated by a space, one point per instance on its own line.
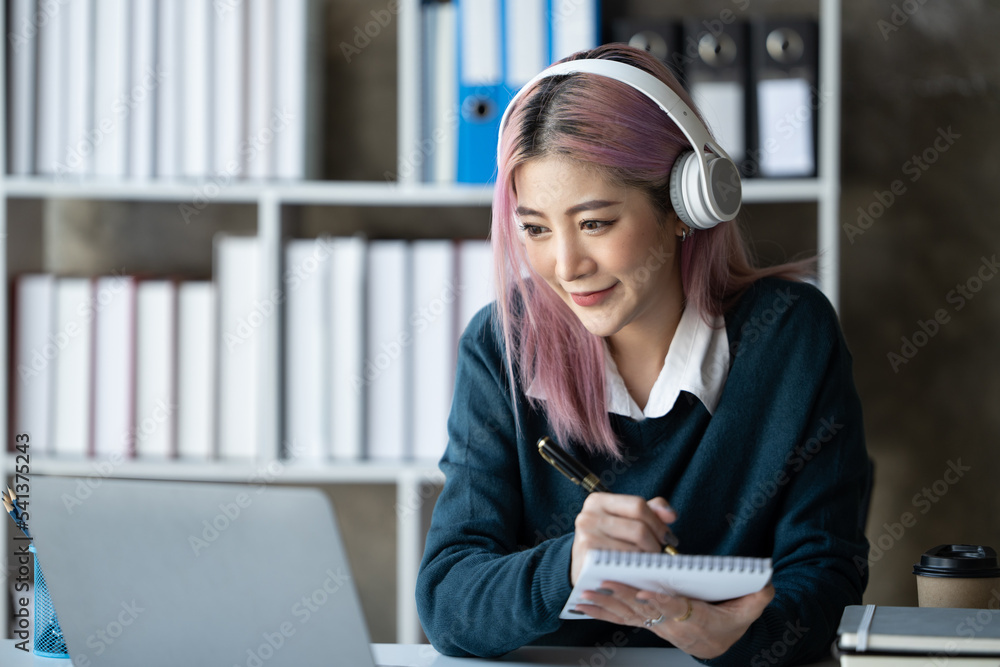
x=271 y=201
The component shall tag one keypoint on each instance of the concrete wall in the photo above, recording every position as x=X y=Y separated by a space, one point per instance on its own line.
x=905 y=89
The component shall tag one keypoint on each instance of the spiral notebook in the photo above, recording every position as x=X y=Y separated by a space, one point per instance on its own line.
x=708 y=578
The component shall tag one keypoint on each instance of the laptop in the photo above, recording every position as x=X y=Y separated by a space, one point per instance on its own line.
x=187 y=573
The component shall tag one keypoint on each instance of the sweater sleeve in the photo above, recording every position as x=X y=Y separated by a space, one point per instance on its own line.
x=820 y=550
x=473 y=568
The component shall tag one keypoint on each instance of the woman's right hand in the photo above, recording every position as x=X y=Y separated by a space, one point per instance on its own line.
x=620 y=522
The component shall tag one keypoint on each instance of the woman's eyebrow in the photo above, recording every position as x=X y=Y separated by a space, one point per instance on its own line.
x=592 y=205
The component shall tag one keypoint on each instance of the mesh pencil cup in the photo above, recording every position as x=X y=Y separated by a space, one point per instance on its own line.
x=49 y=642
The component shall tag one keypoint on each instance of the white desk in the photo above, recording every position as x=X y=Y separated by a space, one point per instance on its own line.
x=422 y=655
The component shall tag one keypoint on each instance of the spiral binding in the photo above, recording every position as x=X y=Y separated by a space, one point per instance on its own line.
x=637 y=559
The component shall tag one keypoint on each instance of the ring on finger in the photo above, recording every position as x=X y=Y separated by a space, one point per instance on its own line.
x=650 y=622
x=687 y=614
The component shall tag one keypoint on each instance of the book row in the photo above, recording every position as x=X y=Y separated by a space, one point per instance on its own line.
x=154 y=368
x=371 y=339
x=755 y=79
x=166 y=89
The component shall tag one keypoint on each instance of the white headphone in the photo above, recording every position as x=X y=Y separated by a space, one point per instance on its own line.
x=705 y=189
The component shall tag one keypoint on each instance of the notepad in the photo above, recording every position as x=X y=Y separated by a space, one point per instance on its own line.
x=708 y=578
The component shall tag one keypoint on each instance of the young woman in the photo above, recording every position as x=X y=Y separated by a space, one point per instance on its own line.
x=671 y=367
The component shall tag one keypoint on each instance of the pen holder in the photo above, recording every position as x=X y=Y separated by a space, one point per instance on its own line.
x=48 y=639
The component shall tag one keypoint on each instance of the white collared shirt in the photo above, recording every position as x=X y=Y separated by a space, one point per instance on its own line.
x=697 y=362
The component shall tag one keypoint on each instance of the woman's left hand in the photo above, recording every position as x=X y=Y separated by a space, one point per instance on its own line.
x=701 y=629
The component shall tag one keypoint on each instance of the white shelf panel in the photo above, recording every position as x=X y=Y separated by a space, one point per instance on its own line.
x=333 y=193
x=35 y=187
x=385 y=194
x=758 y=191
x=271 y=472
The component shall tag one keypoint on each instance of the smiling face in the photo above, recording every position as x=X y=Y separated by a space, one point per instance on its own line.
x=600 y=246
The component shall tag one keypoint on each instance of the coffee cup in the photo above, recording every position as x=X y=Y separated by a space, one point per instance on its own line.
x=958 y=575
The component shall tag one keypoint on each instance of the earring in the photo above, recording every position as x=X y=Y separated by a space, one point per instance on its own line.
x=686 y=233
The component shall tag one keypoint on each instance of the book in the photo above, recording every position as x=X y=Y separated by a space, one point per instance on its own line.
x=51 y=94
x=34 y=346
x=346 y=311
x=919 y=630
x=80 y=128
x=196 y=66
x=290 y=27
x=896 y=660
x=242 y=311
x=196 y=369
x=388 y=353
x=167 y=139
x=432 y=319
x=257 y=155
x=228 y=42
x=156 y=357
x=708 y=578
x=143 y=80
x=441 y=91
x=475 y=280
x=22 y=73
x=114 y=367
x=74 y=327
x=110 y=118
x=306 y=343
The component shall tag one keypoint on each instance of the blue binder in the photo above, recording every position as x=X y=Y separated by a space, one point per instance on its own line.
x=482 y=95
x=502 y=44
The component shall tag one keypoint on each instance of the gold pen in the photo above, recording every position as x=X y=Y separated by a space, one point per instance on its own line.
x=578 y=473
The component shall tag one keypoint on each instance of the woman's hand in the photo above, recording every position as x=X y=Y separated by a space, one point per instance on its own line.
x=621 y=522
x=699 y=628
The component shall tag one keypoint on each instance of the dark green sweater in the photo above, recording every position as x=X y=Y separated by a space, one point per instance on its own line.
x=778 y=471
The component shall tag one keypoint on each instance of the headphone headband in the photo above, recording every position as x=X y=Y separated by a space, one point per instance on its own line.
x=704 y=195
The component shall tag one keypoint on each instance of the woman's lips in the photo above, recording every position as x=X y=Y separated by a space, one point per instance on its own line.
x=591 y=298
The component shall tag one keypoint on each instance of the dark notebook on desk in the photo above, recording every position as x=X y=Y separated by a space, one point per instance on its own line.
x=919 y=631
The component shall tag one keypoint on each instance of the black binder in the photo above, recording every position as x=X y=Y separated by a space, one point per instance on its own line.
x=785 y=98
x=662 y=38
x=715 y=56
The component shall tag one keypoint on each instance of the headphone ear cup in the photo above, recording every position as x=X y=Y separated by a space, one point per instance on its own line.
x=676 y=200
x=685 y=193
x=688 y=196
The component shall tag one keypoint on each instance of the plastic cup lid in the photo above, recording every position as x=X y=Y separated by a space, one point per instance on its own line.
x=958 y=560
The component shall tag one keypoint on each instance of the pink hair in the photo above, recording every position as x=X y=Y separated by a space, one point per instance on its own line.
x=621 y=132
